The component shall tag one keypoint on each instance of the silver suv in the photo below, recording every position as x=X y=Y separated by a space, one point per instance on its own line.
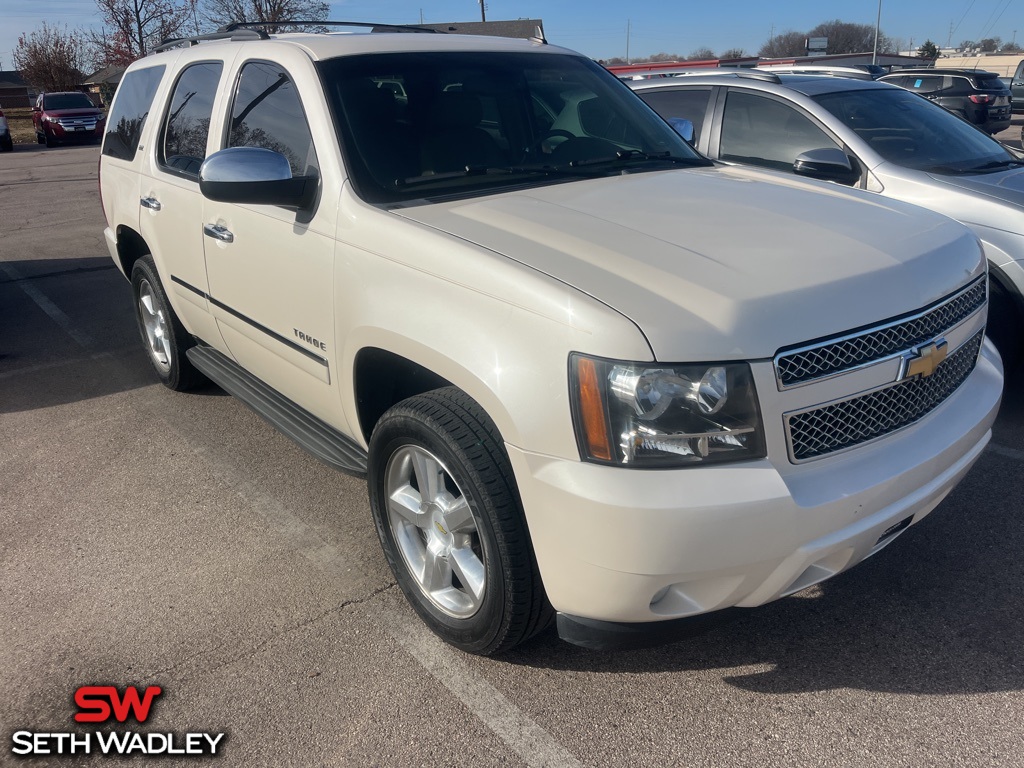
x=589 y=376
x=875 y=137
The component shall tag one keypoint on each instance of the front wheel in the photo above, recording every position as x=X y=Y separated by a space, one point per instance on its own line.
x=448 y=516
x=1005 y=324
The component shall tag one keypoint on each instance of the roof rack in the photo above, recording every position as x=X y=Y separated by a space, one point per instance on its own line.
x=374 y=26
x=221 y=34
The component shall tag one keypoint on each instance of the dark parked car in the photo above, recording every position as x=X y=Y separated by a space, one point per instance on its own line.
x=65 y=117
x=981 y=98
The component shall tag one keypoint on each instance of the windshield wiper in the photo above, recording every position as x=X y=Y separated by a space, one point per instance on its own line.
x=502 y=170
x=996 y=164
x=636 y=155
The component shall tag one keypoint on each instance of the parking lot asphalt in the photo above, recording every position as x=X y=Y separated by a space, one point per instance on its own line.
x=155 y=538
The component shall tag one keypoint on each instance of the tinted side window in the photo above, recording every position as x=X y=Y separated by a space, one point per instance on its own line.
x=267 y=113
x=187 y=124
x=128 y=113
x=689 y=103
x=925 y=84
x=762 y=131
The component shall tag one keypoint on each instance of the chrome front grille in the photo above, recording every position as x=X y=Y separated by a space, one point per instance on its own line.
x=810 y=363
x=87 y=123
x=837 y=426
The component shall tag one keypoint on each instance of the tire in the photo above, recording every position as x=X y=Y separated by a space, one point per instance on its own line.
x=48 y=140
x=39 y=139
x=460 y=551
x=8 y=146
x=163 y=335
x=1005 y=324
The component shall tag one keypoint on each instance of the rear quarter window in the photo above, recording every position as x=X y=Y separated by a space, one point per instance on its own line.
x=128 y=113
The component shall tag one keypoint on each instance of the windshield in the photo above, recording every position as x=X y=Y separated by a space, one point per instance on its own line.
x=910 y=131
x=67 y=101
x=422 y=125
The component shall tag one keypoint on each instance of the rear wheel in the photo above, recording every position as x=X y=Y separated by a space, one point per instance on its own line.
x=448 y=515
x=163 y=335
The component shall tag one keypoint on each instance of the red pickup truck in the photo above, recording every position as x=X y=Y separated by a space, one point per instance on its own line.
x=67 y=116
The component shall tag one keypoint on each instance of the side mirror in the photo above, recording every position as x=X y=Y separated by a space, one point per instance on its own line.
x=684 y=128
x=35 y=108
x=826 y=164
x=256 y=176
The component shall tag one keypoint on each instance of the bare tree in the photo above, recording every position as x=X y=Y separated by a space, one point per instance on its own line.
x=221 y=12
x=51 y=58
x=701 y=54
x=1010 y=47
x=734 y=53
x=132 y=28
x=787 y=44
x=844 y=37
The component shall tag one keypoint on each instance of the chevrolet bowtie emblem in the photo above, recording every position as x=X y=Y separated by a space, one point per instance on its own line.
x=925 y=359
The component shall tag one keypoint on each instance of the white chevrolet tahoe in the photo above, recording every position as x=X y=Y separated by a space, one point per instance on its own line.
x=589 y=375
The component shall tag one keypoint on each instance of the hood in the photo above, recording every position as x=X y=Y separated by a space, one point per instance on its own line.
x=724 y=263
x=76 y=112
x=1006 y=186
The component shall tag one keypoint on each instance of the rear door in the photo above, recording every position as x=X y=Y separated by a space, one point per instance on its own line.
x=171 y=206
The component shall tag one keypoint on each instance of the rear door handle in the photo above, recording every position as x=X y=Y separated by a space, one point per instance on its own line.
x=217 y=232
x=150 y=202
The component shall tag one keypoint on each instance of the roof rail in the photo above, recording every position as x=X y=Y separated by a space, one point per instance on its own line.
x=240 y=34
x=374 y=26
x=746 y=73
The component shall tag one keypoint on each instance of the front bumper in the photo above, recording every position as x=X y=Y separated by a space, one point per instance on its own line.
x=633 y=546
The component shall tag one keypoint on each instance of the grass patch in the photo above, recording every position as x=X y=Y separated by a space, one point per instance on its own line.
x=19 y=120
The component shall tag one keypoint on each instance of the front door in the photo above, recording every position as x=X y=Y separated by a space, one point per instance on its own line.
x=271 y=269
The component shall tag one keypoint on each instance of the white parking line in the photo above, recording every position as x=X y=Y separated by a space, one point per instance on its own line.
x=532 y=743
x=1010 y=453
x=44 y=303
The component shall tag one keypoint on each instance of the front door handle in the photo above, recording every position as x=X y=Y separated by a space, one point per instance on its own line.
x=217 y=232
x=150 y=202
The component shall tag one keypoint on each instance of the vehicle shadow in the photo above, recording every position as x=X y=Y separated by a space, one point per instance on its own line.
x=67 y=334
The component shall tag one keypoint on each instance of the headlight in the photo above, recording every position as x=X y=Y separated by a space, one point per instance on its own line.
x=650 y=415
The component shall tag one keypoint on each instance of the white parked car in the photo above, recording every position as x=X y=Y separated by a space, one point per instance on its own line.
x=586 y=373
x=876 y=137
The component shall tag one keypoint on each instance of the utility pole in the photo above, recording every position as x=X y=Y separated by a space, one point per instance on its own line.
x=483 y=11
x=627 y=40
x=878 y=23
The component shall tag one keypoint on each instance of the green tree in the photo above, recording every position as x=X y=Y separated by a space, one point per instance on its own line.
x=928 y=50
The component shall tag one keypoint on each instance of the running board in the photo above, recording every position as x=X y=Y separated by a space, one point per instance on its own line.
x=311 y=433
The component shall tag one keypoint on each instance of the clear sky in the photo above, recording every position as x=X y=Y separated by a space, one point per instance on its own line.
x=598 y=28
